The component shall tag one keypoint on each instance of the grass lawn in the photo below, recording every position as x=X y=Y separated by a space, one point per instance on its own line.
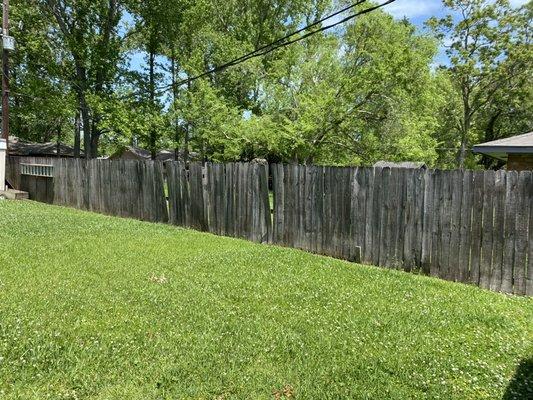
x=94 y=307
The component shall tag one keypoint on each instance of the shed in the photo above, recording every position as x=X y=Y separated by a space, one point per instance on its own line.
x=516 y=151
x=402 y=164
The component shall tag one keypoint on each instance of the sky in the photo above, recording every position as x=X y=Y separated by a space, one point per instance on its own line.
x=418 y=11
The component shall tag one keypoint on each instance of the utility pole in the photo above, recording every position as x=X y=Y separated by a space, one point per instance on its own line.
x=5 y=68
x=7 y=44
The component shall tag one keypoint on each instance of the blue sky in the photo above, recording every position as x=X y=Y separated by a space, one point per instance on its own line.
x=419 y=11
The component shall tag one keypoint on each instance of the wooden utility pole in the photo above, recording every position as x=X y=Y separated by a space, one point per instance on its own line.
x=5 y=75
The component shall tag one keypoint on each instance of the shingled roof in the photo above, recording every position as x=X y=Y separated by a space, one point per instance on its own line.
x=520 y=144
x=28 y=149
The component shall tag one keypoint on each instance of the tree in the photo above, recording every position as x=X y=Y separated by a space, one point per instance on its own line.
x=42 y=105
x=87 y=31
x=353 y=97
x=483 y=47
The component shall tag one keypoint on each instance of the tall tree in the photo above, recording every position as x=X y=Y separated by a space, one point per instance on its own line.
x=351 y=97
x=481 y=41
x=41 y=100
x=87 y=29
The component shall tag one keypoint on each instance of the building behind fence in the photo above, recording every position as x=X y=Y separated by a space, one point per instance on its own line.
x=466 y=226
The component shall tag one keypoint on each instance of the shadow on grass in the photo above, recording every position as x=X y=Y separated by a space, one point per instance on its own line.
x=521 y=386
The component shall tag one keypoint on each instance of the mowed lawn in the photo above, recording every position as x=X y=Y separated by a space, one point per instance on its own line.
x=94 y=307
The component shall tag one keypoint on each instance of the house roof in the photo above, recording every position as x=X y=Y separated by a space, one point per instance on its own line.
x=28 y=149
x=520 y=144
x=403 y=164
x=133 y=152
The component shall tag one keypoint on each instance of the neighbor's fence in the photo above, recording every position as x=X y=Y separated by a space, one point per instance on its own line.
x=466 y=226
x=229 y=200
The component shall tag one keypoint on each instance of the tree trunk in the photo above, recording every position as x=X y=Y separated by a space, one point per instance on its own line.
x=58 y=144
x=490 y=135
x=77 y=132
x=465 y=128
x=175 y=98
x=86 y=120
x=95 y=140
x=187 y=134
x=464 y=144
x=153 y=132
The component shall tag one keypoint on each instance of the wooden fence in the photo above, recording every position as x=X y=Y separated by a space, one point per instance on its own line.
x=466 y=226
x=132 y=189
x=40 y=188
x=230 y=200
x=463 y=226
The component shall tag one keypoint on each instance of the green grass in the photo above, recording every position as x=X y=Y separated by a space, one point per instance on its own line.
x=94 y=307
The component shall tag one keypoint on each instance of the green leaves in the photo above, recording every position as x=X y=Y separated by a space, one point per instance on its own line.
x=487 y=46
x=370 y=90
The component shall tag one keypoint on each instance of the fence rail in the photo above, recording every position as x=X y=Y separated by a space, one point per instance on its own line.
x=41 y=170
x=466 y=226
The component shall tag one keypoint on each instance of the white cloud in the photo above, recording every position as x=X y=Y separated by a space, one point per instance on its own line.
x=419 y=8
x=413 y=8
x=518 y=3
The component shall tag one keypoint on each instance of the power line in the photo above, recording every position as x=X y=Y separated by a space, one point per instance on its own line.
x=243 y=58
x=282 y=42
x=366 y=11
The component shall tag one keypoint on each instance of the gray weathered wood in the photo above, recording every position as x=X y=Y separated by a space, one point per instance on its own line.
x=488 y=226
x=521 y=235
x=455 y=228
x=459 y=225
x=477 y=227
x=436 y=225
x=385 y=218
x=427 y=222
x=498 y=230
x=377 y=206
x=369 y=222
x=529 y=276
x=509 y=231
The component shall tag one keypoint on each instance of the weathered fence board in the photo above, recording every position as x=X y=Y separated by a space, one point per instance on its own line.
x=509 y=232
x=487 y=238
x=455 y=226
x=521 y=239
x=529 y=277
x=428 y=218
x=122 y=188
x=463 y=226
x=498 y=230
x=230 y=200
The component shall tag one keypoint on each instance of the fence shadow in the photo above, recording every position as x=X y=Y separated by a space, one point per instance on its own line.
x=521 y=386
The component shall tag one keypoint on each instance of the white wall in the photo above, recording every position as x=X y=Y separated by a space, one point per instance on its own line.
x=2 y=164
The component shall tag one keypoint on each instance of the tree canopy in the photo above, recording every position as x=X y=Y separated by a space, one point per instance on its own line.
x=370 y=89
